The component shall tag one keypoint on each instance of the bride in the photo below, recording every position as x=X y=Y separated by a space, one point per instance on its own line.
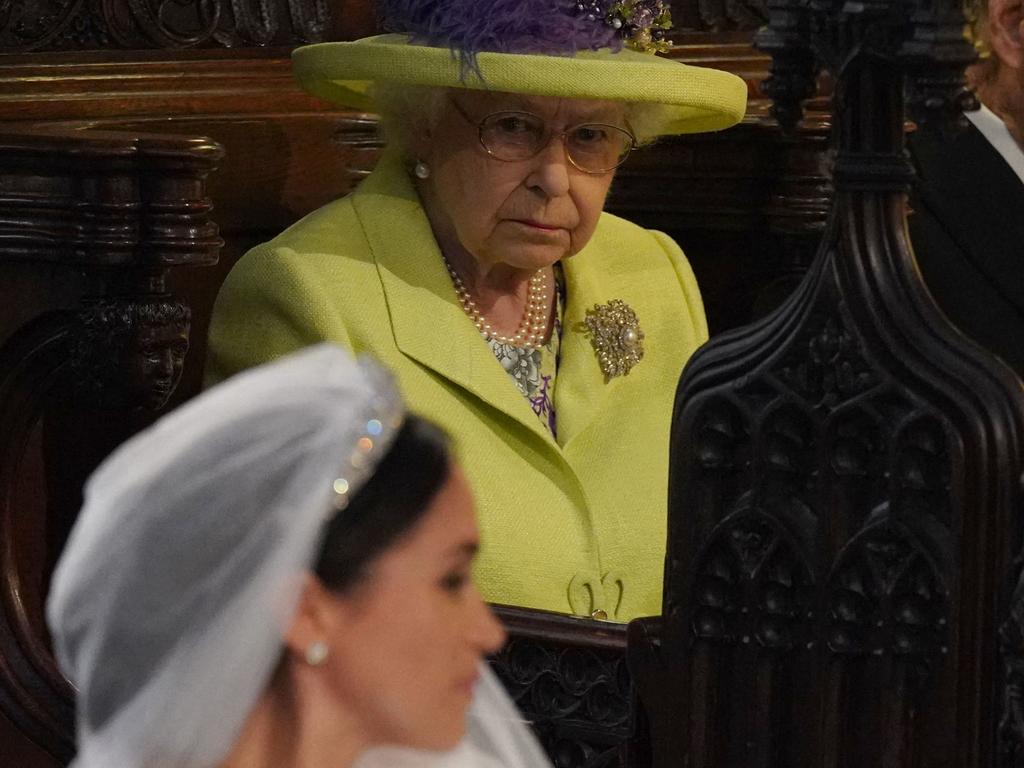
x=279 y=574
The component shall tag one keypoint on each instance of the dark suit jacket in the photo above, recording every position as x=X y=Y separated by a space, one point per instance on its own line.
x=967 y=229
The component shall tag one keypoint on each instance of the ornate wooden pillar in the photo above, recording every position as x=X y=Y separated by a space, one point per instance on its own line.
x=91 y=345
x=845 y=490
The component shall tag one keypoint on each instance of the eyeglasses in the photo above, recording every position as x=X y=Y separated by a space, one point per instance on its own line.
x=513 y=136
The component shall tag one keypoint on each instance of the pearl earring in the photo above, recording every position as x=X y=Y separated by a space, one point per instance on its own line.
x=316 y=654
x=421 y=170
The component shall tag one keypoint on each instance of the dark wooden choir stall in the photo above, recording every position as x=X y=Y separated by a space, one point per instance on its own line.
x=842 y=585
x=842 y=556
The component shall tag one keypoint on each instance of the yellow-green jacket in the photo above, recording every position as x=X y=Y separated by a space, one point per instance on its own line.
x=577 y=527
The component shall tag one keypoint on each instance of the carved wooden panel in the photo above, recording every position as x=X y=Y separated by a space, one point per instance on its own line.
x=569 y=678
x=845 y=500
x=85 y=25
x=718 y=15
x=92 y=344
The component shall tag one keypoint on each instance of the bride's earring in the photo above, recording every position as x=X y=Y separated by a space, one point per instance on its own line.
x=421 y=170
x=316 y=653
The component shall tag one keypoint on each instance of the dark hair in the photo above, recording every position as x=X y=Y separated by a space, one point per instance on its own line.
x=392 y=502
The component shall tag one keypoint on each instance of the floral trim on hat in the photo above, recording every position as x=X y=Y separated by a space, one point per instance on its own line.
x=560 y=28
x=643 y=25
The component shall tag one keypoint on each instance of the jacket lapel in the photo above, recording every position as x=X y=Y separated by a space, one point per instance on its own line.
x=580 y=388
x=428 y=323
x=976 y=194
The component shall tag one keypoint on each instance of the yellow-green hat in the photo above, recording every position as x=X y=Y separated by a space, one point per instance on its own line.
x=534 y=48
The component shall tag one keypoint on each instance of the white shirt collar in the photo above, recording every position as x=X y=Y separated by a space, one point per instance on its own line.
x=998 y=135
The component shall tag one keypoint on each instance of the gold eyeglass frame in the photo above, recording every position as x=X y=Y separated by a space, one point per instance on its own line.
x=551 y=134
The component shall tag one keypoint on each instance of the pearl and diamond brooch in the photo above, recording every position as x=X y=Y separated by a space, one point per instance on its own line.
x=615 y=334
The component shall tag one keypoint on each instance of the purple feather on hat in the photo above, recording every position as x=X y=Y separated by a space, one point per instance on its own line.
x=469 y=27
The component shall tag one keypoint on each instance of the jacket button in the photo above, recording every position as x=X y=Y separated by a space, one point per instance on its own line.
x=599 y=614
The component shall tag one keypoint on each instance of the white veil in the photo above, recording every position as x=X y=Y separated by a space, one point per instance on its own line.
x=171 y=598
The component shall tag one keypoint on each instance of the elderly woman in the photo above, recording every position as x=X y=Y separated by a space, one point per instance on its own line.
x=545 y=335
x=278 y=574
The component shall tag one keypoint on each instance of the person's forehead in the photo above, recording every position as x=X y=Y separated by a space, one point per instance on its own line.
x=570 y=109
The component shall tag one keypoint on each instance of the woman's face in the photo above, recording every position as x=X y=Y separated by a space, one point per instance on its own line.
x=408 y=640
x=527 y=213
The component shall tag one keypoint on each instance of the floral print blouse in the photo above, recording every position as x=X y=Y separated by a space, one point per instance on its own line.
x=533 y=369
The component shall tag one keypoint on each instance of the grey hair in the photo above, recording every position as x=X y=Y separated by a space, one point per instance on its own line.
x=646 y=119
x=406 y=110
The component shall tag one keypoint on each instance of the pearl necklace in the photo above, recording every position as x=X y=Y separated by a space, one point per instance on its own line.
x=532 y=328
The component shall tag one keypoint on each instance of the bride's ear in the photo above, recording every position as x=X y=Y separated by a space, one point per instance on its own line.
x=309 y=634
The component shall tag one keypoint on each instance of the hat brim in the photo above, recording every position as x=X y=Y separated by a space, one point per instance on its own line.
x=693 y=99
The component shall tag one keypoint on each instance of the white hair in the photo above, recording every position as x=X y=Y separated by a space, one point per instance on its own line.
x=406 y=110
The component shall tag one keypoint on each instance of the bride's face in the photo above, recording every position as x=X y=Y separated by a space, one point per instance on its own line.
x=409 y=639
